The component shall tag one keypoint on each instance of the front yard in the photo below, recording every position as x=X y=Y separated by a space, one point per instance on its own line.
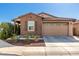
x=11 y=31
x=26 y=40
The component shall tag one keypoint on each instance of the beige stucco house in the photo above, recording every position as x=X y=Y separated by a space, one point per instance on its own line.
x=46 y=24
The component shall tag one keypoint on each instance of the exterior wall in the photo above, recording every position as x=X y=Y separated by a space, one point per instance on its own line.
x=70 y=28
x=38 y=24
x=76 y=28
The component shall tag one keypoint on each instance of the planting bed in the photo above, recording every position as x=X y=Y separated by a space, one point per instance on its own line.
x=27 y=42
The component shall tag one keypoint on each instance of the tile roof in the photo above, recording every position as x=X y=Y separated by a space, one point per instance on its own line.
x=46 y=16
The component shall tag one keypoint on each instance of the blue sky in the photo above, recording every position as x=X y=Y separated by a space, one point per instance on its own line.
x=8 y=11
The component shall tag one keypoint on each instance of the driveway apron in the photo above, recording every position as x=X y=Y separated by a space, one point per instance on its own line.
x=61 y=45
x=4 y=44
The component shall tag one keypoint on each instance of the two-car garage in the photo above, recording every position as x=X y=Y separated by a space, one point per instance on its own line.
x=55 y=28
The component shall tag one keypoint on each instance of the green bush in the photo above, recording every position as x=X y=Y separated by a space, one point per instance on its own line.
x=14 y=37
x=2 y=35
x=7 y=30
x=29 y=35
x=32 y=35
x=36 y=36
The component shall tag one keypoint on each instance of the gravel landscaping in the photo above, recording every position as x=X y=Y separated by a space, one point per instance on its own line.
x=27 y=42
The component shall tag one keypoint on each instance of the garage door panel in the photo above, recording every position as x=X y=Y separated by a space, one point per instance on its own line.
x=55 y=29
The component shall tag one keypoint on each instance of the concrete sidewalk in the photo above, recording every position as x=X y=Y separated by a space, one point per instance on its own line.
x=24 y=51
x=40 y=51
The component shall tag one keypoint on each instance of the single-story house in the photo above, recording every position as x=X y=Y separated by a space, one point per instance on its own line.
x=45 y=24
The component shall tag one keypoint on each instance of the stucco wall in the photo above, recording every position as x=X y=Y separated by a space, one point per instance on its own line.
x=70 y=28
x=76 y=28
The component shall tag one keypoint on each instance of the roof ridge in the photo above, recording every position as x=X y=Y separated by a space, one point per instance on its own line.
x=25 y=15
x=47 y=14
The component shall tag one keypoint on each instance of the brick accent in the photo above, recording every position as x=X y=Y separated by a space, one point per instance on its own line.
x=38 y=24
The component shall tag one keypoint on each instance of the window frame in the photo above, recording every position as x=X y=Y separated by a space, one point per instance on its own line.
x=31 y=23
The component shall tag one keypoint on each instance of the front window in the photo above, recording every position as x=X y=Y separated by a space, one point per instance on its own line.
x=31 y=25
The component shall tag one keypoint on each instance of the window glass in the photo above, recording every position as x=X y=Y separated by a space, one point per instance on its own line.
x=31 y=25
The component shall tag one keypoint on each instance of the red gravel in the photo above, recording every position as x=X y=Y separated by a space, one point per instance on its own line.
x=27 y=43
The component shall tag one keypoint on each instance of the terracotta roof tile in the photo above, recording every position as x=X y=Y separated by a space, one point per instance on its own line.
x=51 y=17
x=47 y=17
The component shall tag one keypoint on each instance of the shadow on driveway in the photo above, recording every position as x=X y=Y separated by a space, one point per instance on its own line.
x=60 y=39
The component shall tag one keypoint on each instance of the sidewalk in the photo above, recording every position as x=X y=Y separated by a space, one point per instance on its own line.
x=40 y=51
x=4 y=44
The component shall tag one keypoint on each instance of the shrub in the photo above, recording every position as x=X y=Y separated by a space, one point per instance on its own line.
x=31 y=35
x=7 y=30
x=14 y=37
x=27 y=38
x=2 y=35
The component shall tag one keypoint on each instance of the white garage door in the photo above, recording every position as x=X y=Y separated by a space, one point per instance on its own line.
x=55 y=28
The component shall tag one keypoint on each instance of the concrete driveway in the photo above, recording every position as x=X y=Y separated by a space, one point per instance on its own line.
x=62 y=45
x=59 y=39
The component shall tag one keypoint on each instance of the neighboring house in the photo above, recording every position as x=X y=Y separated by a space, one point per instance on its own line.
x=76 y=28
x=45 y=24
